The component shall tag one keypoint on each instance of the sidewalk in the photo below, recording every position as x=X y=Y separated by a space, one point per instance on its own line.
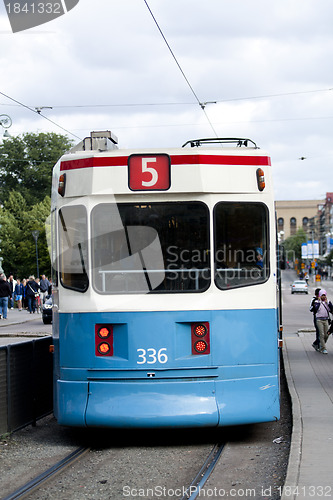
x=11 y=334
x=310 y=381
x=15 y=317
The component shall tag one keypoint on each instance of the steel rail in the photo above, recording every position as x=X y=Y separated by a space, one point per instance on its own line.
x=204 y=473
x=35 y=483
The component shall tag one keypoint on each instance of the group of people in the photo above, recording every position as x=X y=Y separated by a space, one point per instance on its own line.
x=321 y=308
x=28 y=294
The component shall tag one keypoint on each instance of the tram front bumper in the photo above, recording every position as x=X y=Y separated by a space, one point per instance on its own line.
x=137 y=404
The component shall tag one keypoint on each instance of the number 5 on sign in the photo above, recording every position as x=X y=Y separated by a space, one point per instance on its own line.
x=149 y=172
x=153 y=172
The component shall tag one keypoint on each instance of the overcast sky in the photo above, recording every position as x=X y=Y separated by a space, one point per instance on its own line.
x=265 y=68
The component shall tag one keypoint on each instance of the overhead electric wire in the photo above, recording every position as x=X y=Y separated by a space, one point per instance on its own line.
x=275 y=95
x=201 y=104
x=164 y=125
x=138 y=104
x=39 y=114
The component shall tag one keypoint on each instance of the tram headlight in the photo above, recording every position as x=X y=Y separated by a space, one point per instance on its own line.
x=104 y=340
x=200 y=338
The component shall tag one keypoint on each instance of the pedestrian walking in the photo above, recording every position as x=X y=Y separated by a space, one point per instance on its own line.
x=24 y=299
x=31 y=293
x=12 y=284
x=18 y=294
x=323 y=308
x=44 y=288
x=5 y=294
x=316 y=343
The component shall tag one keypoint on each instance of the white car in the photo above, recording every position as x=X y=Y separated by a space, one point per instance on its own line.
x=299 y=286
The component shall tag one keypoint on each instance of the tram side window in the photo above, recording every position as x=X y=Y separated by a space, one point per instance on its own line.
x=73 y=255
x=150 y=247
x=52 y=242
x=241 y=249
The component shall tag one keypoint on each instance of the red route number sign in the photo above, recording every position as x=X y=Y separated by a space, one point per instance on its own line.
x=149 y=172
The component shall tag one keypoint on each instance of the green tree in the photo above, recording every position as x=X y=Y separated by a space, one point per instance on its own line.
x=26 y=165
x=329 y=258
x=9 y=236
x=18 y=248
x=293 y=245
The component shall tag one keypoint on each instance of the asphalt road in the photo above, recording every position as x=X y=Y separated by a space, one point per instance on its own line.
x=295 y=308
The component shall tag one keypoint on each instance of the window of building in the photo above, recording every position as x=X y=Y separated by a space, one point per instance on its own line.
x=292 y=225
x=305 y=222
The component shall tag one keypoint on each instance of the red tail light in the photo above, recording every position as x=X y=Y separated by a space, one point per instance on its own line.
x=200 y=338
x=103 y=340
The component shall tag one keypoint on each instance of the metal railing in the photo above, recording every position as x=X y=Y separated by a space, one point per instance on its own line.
x=192 y=274
x=26 y=392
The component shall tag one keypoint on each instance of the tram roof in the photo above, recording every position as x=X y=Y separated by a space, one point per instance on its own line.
x=203 y=167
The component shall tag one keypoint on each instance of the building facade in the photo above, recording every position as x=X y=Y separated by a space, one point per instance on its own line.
x=314 y=216
x=295 y=214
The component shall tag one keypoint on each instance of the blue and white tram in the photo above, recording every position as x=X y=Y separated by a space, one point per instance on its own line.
x=165 y=296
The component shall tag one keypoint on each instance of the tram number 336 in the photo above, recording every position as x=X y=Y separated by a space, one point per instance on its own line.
x=151 y=356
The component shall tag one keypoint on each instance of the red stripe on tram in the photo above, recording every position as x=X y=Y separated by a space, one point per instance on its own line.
x=118 y=161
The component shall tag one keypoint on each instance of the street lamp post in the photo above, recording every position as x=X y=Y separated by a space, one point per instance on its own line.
x=35 y=235
x=5 y=122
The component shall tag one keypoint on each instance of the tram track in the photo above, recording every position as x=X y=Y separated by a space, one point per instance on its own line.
x=144 y=465
x=47 y=475
x=193 y=491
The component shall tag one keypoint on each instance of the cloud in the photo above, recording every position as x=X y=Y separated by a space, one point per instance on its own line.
x=266 y=64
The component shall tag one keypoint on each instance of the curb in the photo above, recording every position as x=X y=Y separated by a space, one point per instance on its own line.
x=24 y=335
x=295 y=453
x=17 y=322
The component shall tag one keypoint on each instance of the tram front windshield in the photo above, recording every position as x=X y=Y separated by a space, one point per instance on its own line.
x=162 y=247
x=155 y=247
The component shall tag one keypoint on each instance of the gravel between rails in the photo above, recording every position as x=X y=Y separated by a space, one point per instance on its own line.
x=138 y=462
